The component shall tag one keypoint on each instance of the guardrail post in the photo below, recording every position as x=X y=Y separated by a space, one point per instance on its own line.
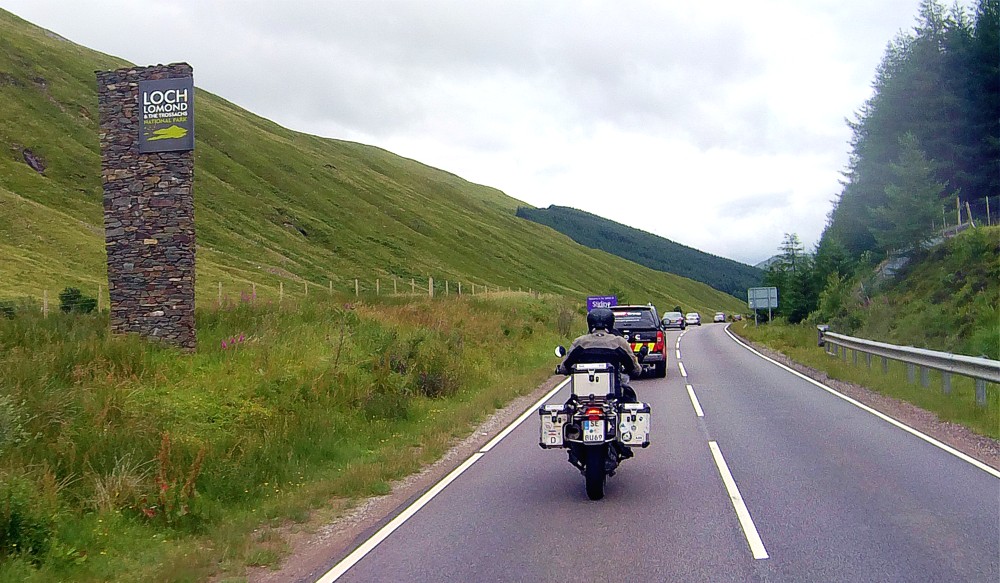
x=925 y=377
x=855 y=356
x=946 y=383
x=868 y=359
x=911 y=373
x=981 y=392
x=843 y=353
x=885 y=365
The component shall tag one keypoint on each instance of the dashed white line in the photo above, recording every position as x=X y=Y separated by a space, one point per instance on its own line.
x=684 y=373
x=746 y=522
x=694 y=401
x=678 y=354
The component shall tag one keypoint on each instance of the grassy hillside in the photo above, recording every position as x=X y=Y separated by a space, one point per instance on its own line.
x=948 y=299
x=271 y=205
x=647 y=249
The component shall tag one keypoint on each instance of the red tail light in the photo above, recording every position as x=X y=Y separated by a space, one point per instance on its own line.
x=659 y=342
x=594 y=413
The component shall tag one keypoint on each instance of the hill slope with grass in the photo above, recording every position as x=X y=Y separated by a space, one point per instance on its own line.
x=945 y=298
x=272 y=205
x=647 y=249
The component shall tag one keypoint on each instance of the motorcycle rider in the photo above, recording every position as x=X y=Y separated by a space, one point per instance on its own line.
x=605 y=345
x=602 y=337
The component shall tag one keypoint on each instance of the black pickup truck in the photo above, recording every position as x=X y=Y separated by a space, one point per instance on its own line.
x=641 y=327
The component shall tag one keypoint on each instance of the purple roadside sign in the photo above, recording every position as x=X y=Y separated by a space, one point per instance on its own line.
x=601 y=302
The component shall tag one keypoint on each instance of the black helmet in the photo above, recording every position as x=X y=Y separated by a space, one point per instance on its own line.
x=600 y=318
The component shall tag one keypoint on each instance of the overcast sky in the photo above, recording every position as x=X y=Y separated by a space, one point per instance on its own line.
x=719 y=125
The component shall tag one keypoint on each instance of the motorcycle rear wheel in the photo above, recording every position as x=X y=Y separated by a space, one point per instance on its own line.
x=594 y=471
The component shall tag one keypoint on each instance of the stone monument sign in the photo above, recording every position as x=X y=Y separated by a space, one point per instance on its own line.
x=147 y=168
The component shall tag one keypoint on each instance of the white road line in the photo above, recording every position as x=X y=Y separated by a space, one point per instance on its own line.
x=383 y=533
x=359 y=553
x=746 y=522
x=531 y=410
x=684 y=373
x=678 y=354
x=694 y=401
x=878 y=414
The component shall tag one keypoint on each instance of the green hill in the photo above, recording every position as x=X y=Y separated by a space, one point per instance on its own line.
x=946 y=298
x=271 y=205
x=647 y=249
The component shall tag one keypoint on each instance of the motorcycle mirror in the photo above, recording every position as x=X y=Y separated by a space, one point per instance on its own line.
x=560 y=351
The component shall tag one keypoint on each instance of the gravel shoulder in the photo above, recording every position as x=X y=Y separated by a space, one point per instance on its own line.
x=313 y=544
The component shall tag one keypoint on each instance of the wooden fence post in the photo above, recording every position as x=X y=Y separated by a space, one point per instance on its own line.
x=377 y=287
x=446 y=287
x=100 y=298
x=281 y=291
x=413 y=286
x=357 y=290
x=220 y=293
x=45 y=303
x=459 y=288
x=331 y=287
x=394 y=292
x=307 y=289
x=253 y=291
x=430 y=287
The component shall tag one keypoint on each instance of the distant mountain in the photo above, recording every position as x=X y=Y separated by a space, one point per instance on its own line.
x=763 y=265
x=731 y=277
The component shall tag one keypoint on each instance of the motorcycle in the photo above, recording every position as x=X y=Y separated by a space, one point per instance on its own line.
x=596 y=424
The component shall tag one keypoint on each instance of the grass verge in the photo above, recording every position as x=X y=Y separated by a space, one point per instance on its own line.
x=127 y=461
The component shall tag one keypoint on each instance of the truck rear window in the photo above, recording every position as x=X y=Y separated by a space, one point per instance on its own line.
x=633 y=318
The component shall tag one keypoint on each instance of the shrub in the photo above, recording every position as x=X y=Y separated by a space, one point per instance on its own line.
x=7 y=309
x=71 y=300
x=27 y=524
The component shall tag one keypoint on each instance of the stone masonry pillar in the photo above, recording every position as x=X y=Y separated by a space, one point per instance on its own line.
x=148 y=213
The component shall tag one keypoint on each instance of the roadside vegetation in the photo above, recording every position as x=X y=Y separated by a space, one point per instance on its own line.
x=127 y=461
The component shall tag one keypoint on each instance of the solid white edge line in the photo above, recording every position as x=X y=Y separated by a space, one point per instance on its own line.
x=525 y=415
x=964 y=457
x=746 y=522
x=383 y=533
x=684 y=373
x=694 y=401
x=359 y=553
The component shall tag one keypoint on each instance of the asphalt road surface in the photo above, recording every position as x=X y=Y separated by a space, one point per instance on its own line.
x=753 y=474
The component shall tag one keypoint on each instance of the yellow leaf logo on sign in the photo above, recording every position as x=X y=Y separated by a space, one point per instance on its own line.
x=172 y=133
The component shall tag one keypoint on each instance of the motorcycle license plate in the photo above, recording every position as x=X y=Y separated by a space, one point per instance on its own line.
x=593 y=430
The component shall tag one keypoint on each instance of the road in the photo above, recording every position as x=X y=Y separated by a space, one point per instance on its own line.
x=753 y=474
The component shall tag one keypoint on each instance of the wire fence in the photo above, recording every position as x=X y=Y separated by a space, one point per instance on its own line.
x=242 y=291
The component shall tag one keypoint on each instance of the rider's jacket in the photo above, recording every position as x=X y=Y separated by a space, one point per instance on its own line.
x=601 y=339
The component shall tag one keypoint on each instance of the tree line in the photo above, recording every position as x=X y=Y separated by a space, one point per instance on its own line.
x=928 y=137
